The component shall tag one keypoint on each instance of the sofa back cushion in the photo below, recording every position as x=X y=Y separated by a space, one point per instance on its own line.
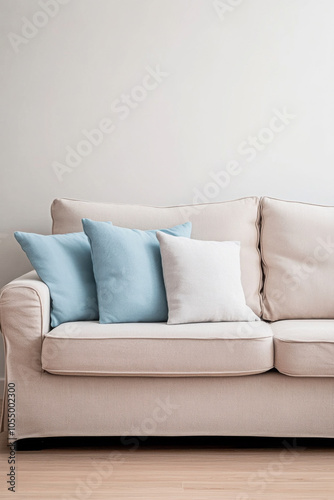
x=236 y=220
x=297 y=246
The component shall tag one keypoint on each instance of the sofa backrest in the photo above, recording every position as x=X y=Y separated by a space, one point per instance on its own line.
x=297 y=247
x=232 y=220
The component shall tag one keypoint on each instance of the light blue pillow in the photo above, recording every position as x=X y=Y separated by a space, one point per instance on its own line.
x=128 y=272
x=64 y=263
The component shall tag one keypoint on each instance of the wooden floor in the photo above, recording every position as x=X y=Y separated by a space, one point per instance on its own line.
x=171 y=468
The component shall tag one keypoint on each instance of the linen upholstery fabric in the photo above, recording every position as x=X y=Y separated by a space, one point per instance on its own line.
x=158 y=350
x=128 y=272
x=268 y=404
x=304 y=348
x=64 y=263
x=297 y=244
x=24 y=318
x=236 y=220
x=203 y=281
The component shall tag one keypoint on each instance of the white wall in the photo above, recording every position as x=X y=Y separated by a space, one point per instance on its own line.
x=229 y=75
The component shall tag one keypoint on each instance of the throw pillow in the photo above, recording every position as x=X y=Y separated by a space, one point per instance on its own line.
x=203 y=281
x=128 y=272
x=64 y=263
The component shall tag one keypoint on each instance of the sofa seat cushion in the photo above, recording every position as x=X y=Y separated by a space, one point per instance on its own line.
x=158 y=349
x=304 y=348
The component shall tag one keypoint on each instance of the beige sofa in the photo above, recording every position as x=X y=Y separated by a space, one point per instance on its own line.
x=267 y=378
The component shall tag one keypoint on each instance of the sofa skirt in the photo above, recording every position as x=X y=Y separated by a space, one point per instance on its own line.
x=268 y=404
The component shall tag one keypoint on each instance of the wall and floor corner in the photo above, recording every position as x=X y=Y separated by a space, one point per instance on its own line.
x=160 y=103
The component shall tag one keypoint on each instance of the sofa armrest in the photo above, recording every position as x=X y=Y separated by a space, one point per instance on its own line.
x=25 y=308
x=24 y=319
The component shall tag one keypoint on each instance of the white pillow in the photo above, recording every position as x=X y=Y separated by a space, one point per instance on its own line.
x=203 y=280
